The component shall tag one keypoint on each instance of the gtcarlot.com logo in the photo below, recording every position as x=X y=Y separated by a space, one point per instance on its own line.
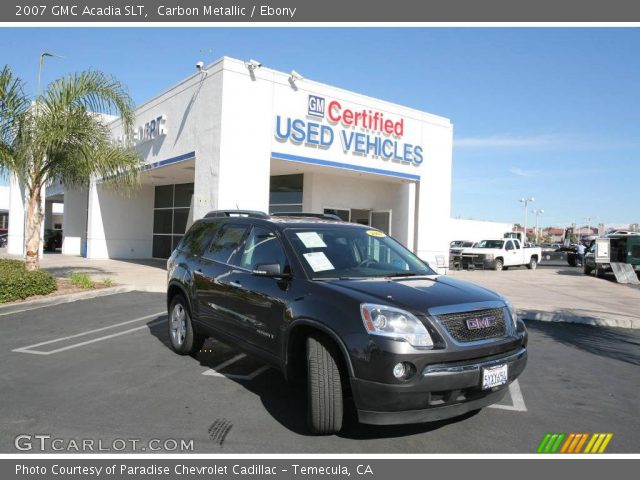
x=574 y=443
x=45 y=442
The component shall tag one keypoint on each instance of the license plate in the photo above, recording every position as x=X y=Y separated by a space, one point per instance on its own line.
x=494 y=376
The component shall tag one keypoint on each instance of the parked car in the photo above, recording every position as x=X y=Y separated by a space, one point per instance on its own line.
x=455 y=249
x=500 y=255
x=346 y=310
x=52 y=240
x=3 y=240
x=622 y=248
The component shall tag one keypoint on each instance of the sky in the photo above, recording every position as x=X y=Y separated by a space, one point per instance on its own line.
x=552 y=114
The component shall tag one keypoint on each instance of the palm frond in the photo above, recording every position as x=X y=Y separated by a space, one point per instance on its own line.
x=94 y=91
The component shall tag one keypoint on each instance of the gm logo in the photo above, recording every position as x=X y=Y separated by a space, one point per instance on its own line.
x=481 y=322
x=315 y=106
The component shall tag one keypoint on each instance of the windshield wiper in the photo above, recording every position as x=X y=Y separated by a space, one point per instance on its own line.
x=402 y=274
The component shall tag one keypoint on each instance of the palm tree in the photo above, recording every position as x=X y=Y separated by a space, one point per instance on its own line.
x=60 y=136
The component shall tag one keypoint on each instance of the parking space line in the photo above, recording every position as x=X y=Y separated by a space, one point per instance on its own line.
x=30 y=348
x=516 y=398
x=215 y=371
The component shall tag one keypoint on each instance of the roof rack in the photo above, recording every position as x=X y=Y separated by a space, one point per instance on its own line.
x=234 y=213
x=325 y=216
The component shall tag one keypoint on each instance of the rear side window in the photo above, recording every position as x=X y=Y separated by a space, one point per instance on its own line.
x=197 y=238
x=226 y=243
x=635 y=251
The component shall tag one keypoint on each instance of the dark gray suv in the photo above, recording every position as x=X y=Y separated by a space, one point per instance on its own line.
x=346 y=310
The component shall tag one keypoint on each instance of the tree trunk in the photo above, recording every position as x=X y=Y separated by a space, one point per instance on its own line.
x=34 y=223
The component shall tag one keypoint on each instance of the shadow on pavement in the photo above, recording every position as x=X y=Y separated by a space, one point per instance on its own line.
x=575 y=272
x=66 y=271
x=617 y=343
x=286 y=403
x=147 y=262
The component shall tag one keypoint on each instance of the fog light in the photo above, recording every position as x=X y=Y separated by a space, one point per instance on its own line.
x=399 y=370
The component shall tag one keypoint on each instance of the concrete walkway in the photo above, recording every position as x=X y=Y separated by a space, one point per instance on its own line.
x=559 y=293
x=142 y=275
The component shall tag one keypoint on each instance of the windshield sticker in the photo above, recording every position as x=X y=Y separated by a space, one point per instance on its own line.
x=311 y=240
x=318 y=261
x=375 y=233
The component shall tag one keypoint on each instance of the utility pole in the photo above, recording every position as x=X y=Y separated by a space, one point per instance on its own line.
x=526 y=202
x=536 y=212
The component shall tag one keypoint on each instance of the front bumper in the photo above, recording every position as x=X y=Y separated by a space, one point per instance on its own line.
x=478 y=262
x=443 y=391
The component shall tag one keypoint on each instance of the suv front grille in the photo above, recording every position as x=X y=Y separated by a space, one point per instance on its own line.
x=485 y=324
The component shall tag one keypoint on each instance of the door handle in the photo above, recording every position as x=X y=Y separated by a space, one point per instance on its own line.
x=235 y=283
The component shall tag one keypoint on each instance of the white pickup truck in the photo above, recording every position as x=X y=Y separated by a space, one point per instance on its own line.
x=500 y=255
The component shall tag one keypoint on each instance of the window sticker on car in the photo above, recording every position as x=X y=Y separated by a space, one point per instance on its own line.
x=318 y=261
x=311 y=240
x=375 y=233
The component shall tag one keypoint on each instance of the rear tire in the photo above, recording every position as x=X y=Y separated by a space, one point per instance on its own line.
x=324 y=387
x=498 y=266
x=533 y=263
x=184 y=340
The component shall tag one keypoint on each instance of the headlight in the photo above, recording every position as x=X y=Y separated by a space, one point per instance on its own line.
x=489 y=256
x=512 y=312
x=395 y=323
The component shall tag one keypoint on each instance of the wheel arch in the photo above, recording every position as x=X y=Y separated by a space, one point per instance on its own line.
x=174 y=289
x=294 y=349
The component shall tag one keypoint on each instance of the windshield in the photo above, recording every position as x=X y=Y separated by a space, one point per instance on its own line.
x=344 y=252
x=490 y=244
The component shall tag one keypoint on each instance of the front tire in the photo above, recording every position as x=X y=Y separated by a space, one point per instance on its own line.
x=587 y=269
x=324 y=387
x=184 y=340
x=498 y=266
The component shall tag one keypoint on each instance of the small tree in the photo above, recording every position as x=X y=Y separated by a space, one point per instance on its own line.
x=60 y=136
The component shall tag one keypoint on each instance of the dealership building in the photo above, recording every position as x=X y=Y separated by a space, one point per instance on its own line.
x=237 y=135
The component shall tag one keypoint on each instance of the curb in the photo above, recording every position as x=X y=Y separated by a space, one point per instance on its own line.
x=59 y=299
x=563 y=317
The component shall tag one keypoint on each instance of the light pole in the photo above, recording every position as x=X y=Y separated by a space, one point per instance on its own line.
x=536 y=212
x=526 y=202
x=40 y=63
x=588 y=219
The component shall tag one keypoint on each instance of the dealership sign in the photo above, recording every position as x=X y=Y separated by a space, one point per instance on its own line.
x=361 y=131
x=150 y=130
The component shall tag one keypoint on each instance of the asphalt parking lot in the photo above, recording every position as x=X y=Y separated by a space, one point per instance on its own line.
x=102 y=369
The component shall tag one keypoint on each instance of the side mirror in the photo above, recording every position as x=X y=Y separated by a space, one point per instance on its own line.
x=270 y=270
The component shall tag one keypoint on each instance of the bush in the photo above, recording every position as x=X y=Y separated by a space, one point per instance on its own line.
x=81 y=280
x=16 y=283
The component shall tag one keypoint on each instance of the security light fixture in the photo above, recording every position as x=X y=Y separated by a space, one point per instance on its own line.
x=295 y=76
x=201 y=69
x=252 y=64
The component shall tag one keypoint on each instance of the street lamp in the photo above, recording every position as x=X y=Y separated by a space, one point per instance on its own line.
x=40 y=63
x=526 y=202
x=536 y=212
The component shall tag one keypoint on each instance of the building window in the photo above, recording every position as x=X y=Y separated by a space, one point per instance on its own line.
x=171 y=207
x=4 y=221
x=285 y=193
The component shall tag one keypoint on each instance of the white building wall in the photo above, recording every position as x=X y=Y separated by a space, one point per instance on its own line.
x=251 y=103
x=434 y=193
x=192 y=110
x=75 y=221
x=4 y=197
x=334 y=191
x=120 y=226
x=476 y=230
x=15 y=238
